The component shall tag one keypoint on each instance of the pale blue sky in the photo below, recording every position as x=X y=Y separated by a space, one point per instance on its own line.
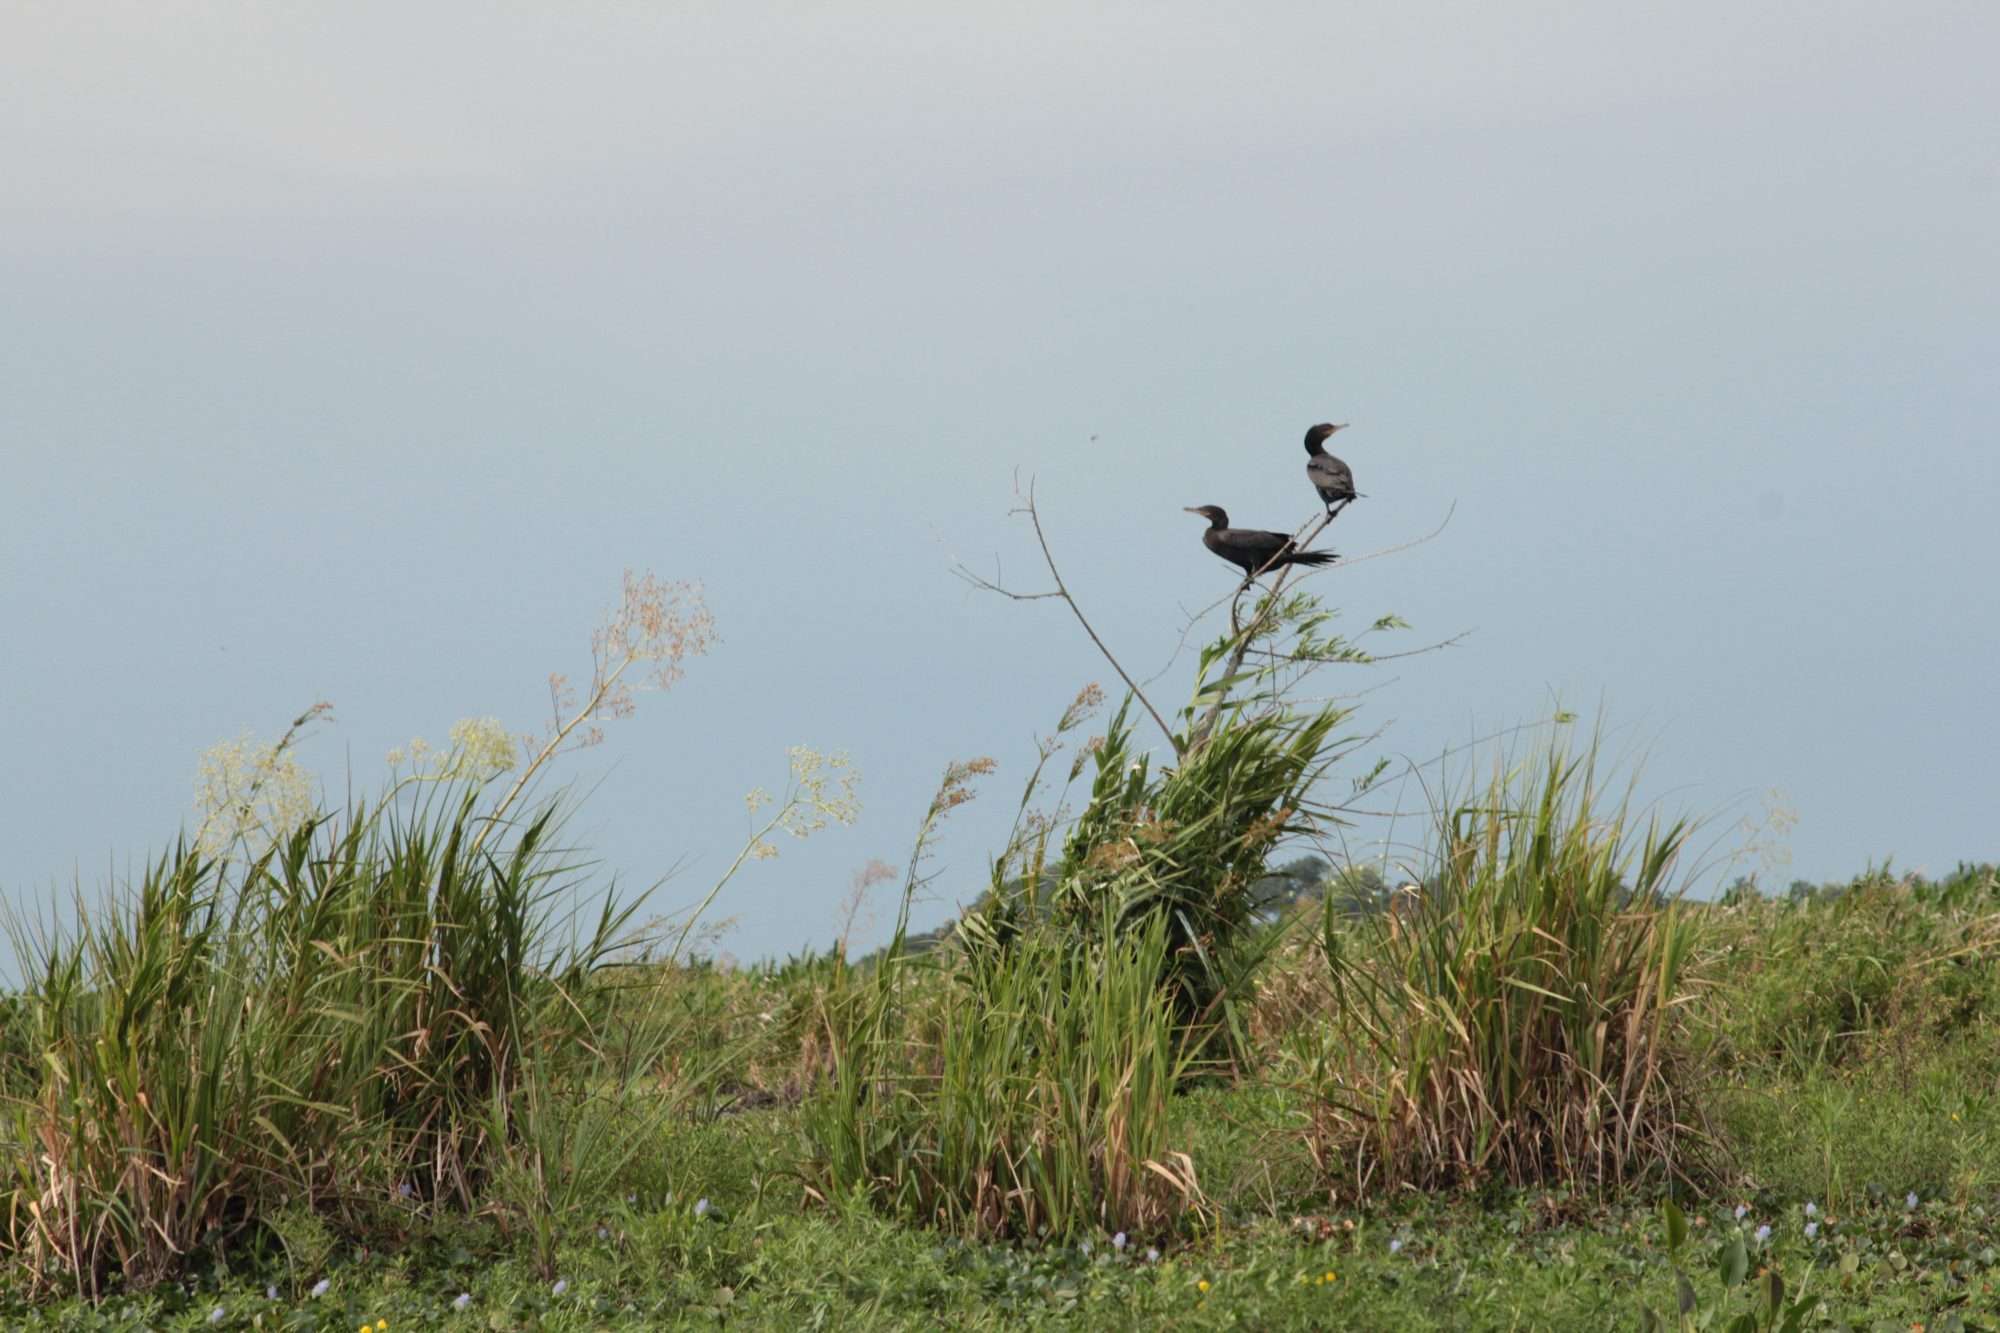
x=351 y=352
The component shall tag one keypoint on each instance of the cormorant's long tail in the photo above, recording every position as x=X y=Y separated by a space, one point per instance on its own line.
x=1310 y=558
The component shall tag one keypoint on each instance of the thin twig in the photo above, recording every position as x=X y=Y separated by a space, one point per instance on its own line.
x=1062 y=591
x=1404 y=546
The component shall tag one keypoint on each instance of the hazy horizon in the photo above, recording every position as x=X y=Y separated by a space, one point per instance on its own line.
x=352 y=354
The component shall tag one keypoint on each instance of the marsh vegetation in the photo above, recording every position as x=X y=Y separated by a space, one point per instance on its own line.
x=407 y=1059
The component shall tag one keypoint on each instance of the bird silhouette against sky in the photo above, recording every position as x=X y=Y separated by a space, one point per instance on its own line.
x=1252 y=549
x=1330 y=477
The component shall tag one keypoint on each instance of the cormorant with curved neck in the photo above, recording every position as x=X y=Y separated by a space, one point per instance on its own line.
x=1251 y=549
x=1329 y=476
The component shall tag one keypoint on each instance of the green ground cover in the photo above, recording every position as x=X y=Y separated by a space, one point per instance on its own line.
x=1898 y=1100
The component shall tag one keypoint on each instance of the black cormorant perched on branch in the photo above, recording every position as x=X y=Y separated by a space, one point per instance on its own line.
x=1251 y=549
x=1329 y=476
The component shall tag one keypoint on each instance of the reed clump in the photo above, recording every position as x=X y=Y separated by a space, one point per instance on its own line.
x=324 y=1024
x=1519 y=1019
x=1024 y=1096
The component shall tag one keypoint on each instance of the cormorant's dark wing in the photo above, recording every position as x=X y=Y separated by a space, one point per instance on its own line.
x=1331 y=478
x=1254 y=549
x=1252 y=543
x=1270 y=544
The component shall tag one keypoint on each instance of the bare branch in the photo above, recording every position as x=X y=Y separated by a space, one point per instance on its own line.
x=1404 y=546
x=1062 y=591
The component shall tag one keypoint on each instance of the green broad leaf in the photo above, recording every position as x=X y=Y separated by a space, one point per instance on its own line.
x=1676 y=1224
x=1774 y=1292
x=1735 y=1265
x=1743 y=1323
x=1650 y=1321
x=1684 y=1293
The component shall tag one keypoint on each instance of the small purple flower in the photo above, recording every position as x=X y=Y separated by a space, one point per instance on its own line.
x=321 y=1287
x=561 y=1286
x=1084 y=1249
x=1152 y=1256
x=1396 y=1245
x=1812 y=1210
x=1812 y=1230
x=271 y=1292
x=215 y=1316
x=404 y=1190
x=462 y=1301
x=1910 y=1201
x=1742 y=1211
x=1763 y=1233
x=1118 y=1242
x=701 y=1207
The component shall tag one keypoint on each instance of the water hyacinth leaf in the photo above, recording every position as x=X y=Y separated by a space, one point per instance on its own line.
x=1684 y=1293
x=1676 y=1224
x=1774 y=1291
x=1735 y=1266
x=1743 y=1323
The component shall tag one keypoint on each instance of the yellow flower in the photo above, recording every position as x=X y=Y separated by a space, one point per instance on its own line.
x=481 y=748
x=1202 y=1286
x=1331 y=1276
x=381 y=1326
x=250 y=790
